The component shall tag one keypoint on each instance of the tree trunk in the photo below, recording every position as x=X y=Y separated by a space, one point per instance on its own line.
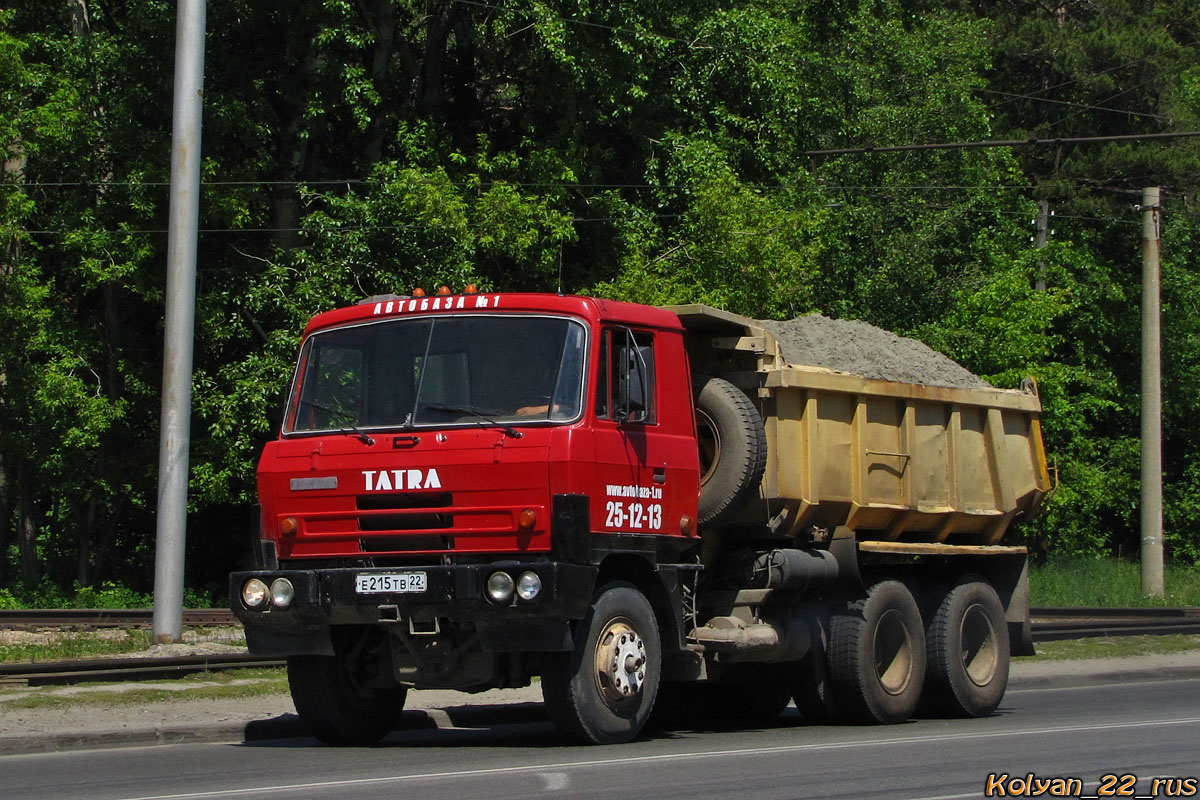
x=103 y=544
x=296 y=156
x=432 y=89
x=28 y=528
x=385 y=41
x=5 y=521
x=80 y=24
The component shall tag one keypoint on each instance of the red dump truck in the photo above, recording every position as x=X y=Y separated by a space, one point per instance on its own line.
x=631 y=504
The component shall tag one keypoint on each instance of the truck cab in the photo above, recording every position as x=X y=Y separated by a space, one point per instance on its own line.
x=453 y=476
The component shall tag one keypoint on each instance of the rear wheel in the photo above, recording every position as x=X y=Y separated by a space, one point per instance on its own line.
x=877 y=655
x=604 y=690
x=343 y=697
x=968 y=651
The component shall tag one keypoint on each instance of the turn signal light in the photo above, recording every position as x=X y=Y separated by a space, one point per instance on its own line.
x=687 y=525
x=288 y=526
x=527 y=519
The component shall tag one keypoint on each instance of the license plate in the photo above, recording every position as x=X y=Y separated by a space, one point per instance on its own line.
x=390 y=583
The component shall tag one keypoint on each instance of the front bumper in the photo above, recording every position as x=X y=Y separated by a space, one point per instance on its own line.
x=454 y=598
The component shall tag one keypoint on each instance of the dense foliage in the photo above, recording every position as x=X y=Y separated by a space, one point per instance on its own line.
x=652 y=151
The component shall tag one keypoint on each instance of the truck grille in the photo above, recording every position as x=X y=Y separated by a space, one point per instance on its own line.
x=404 y=544
x=411 y=523
x=413 y=512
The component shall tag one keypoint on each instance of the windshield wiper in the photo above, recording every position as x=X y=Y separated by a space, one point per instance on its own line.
x=348 y=429
x=483 y=414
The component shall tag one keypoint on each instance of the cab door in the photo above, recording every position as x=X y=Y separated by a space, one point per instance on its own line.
x=642 y=462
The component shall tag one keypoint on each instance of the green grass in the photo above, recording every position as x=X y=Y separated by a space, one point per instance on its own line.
x=1113 y=647
x=1108 y=582
x=234 y=684
x=70 y=646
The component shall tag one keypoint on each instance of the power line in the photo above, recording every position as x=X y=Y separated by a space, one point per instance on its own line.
x=357 y=182
x=1032 y=140
x=1110 y=98
x=1082 y=106
x=340 y=229
x=692 y=43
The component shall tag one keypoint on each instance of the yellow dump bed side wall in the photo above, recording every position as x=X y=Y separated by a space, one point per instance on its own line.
x=901 y=462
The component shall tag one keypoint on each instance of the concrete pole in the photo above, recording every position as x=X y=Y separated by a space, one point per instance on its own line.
x=1151 y=512
x=1043 y=228
x=183 y=225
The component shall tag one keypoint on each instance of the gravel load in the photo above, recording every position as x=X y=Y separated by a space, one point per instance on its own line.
x=862 y=349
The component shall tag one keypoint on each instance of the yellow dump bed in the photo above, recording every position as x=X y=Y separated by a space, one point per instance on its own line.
x=893 y=461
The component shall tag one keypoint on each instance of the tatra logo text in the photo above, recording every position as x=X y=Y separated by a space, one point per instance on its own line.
x=392 y=480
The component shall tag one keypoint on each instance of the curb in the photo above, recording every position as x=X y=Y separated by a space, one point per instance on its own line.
x=1103 y=676
x=290 y=726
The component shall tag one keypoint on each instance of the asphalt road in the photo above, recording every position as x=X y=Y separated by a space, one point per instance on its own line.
x=1148 y=729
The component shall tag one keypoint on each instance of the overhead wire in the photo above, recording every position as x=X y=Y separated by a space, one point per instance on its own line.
x=1082 y=106
x=648 y=186
x=811 y=62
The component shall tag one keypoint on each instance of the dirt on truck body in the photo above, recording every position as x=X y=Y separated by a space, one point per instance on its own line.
x=644 y=508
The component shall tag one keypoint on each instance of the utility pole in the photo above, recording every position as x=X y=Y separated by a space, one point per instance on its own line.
x=1043 y=225
x=1151 y=511
x=183 y=226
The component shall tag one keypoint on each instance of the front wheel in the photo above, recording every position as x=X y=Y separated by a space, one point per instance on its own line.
x=603 y=691
x=342 y=697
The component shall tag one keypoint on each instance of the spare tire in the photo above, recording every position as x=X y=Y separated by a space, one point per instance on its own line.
x=733 y=448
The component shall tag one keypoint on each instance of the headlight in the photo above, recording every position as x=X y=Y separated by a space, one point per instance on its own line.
x=528 y=585
x=254 y=593
x=500 y=587
x=282 y=592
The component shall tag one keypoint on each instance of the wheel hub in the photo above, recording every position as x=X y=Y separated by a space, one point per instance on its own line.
x=978 y=646
x=620 y=662
x=893 y=653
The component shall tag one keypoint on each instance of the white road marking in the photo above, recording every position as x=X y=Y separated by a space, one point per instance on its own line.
x=556 y=781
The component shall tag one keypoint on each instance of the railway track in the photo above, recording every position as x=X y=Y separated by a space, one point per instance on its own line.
x=96 y=618
x=1052 y=624
x=1049 y=624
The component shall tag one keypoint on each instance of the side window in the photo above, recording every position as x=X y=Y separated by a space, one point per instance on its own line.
x=603 y=398
x=626 y=389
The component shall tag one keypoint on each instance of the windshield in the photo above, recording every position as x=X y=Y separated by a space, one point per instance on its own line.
x=468 y=370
